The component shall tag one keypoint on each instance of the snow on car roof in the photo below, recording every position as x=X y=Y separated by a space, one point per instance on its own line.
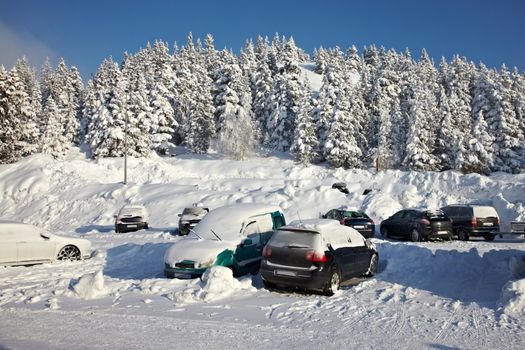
x=228 y=221
x=316 y=225
x=7 y=225
x=324 y=227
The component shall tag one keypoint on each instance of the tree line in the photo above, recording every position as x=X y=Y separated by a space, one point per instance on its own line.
x=376 y=105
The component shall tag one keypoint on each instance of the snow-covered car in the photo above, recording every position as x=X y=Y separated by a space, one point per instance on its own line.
x=316 y=254
x=24 y=244
x=131 y=218
x=190 y=217
x=232 y=236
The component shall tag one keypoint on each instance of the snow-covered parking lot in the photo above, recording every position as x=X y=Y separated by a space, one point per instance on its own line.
x=468 y=295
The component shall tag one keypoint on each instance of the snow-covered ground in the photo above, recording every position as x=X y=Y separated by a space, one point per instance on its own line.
x=467 y=295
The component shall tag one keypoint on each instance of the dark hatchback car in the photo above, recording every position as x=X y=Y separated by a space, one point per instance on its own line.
x=316 y=254
x=418 y=225
x=473 y=220
x=190 y=217
x=355 y=219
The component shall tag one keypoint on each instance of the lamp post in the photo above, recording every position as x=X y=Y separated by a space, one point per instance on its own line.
x=126 y=148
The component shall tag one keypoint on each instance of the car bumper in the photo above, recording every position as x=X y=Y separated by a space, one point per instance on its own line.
x=297 y=278
x=443 y=234
x=130 y=227
x=482 y=231
x=182 y=273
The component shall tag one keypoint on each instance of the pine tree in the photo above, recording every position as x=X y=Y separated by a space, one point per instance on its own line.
x=305 y=145
x=480 y=155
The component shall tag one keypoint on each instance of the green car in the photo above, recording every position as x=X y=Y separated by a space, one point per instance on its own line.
x=232 y=236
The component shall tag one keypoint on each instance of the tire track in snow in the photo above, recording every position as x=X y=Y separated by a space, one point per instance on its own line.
x=445 y=329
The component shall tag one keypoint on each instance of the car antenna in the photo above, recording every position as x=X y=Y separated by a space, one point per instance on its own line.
x=216 y=235
x=195 y=233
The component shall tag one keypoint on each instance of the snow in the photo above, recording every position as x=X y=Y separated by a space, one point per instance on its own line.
x=200 y=251
x=307 y=73
x=425 y=295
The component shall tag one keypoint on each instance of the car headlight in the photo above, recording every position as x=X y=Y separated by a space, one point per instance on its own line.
x=206 y=264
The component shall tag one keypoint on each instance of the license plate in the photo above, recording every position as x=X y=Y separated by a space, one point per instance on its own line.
x=442 y=232
x=285 y=273
x=488 y=224
x=132 y=226
x=359 y=226
x=181 y=275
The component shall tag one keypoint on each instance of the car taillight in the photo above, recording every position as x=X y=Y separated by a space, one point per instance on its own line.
x=497 y=221
x=267 y=251
x=425 y=222
x=473 y=222
x=315 y=256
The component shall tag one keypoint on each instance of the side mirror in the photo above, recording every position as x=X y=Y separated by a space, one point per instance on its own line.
x=179 y=215
x=45 y=235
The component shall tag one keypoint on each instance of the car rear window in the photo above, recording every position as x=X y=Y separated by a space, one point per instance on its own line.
x=485 y=212
x=353 y=214
x=435 y=214
x=284 y=238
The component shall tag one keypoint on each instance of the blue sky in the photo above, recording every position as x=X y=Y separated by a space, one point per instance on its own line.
x=85 y=32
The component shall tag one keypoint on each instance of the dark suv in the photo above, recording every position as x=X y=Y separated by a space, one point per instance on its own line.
x=473 y=220
x=418 y=225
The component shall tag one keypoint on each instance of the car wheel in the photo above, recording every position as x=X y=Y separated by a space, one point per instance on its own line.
x=269 y=285
x=489 y=237
x=384 y=232
x=415 y=236
x=69 y=252
x=372 y=268
x=116 y=229
x=334 y=283
x=462 y=235
x=146 y=226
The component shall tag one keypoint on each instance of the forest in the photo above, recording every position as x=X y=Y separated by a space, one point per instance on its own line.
x=377 y=105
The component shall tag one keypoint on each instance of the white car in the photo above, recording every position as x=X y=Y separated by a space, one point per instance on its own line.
x=131 y=218
x=24 y=244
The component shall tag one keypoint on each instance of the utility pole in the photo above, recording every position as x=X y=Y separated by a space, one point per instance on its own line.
x=126 y=149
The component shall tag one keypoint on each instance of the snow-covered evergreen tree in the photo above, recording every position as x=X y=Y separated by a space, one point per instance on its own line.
x=305 y=145
x=480 y=155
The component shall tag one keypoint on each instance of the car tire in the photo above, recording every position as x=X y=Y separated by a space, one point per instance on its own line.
x=463 y=234
x=269 y=285
x=69 y=253
x=415 y=236
x=384 y=232
x=146 y=226
x=372 y=268
x=334 y=282
x=489 y=237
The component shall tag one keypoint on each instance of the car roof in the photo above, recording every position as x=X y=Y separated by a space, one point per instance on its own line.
x=228 y=220
x=312 y=225
x=468 y=205
x=18 y=226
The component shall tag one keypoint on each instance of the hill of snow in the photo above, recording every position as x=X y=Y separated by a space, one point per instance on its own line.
x=429 y=294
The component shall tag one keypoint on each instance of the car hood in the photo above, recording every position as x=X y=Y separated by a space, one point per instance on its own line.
x=197 y=250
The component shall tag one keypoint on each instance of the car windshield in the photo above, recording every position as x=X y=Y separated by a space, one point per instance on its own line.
x=194 y=211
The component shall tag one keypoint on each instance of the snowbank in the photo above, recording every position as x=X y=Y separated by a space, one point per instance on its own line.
x=512 y=302
x=90 y=286
x=216 y=283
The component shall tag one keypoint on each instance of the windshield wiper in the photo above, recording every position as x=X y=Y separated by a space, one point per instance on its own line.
x=292 y=246
x=195 y=233
x=219 y=238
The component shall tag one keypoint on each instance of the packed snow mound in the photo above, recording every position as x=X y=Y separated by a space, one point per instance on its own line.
x=90 y=286
x=512 y=302
x=216 y=283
